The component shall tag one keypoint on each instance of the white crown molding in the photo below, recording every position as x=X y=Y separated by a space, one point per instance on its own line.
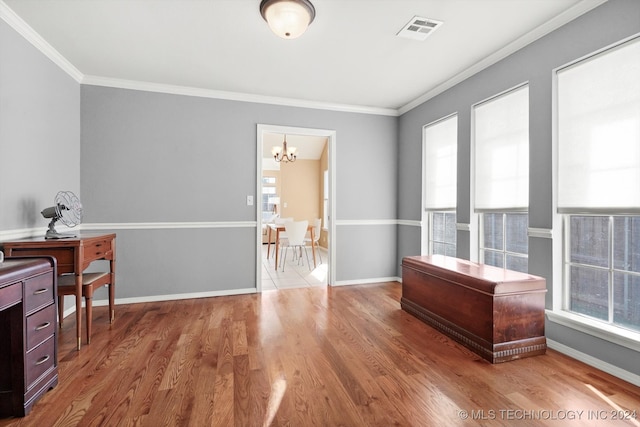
x=22 y=28
x=34 y=38
x=232 y=96
x=544 y=29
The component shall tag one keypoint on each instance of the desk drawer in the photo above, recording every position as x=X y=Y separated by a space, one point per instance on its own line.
x=10 y=295
x=38 y=292
x=97 y=249
x=64 y=256
x=40 y=360
x=40 y=326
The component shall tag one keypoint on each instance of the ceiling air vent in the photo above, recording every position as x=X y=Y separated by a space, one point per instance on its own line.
x=419 y=28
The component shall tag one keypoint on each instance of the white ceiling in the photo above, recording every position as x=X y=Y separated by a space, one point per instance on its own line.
x=349 y=58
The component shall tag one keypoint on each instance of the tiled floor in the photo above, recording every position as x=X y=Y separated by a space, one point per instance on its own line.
x=294 y=275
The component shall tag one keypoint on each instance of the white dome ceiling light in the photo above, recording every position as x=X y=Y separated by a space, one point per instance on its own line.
x=288 y=18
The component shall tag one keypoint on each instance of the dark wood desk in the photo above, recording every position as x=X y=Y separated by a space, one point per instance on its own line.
x=73 y=256
x=28 y=333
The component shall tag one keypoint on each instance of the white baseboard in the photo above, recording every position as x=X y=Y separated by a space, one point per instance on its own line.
x=596 y=363
x=366 y=281
x=170 y=297
x=173 y=297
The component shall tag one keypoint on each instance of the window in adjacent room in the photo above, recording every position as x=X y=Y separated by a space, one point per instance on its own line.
x=598 y=142
x=440 y=148
x=501 y=181
x=270 y=199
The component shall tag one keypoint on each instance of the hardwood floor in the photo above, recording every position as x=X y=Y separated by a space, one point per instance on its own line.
x=344 y=356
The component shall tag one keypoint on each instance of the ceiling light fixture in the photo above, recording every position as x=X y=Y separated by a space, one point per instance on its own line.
x=288 y=18
x=284 y=154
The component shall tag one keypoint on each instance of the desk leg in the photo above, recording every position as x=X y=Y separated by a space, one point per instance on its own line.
x=112 y=297
x=79 y=309
x=112 y=284
x=268 y=241
x=277 y=244
x=112 y=311
x=313 y=248
x=88 y=306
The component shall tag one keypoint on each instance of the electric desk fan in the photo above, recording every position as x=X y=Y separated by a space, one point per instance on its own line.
x=67 y=210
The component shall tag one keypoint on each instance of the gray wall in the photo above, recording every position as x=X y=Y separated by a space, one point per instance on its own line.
x=39 y=133
x=151 y=158
x=607 y=24
x=146 y=158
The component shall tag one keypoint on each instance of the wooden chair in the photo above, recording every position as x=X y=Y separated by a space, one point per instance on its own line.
x=90 y=282
x=317 y=229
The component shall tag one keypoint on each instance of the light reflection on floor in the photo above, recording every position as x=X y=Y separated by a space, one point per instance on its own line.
x=294 y=275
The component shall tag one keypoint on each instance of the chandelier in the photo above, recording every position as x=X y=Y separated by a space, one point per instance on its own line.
x=284 y=154
x=287 y=18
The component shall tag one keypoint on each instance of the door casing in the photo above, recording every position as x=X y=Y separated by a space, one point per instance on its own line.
x=331 y=149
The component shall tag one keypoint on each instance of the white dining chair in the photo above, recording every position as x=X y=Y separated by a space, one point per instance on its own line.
x=282 y=236
x=295 y=240
x=282 y=221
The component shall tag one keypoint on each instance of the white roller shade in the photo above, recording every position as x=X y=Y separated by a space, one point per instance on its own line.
x=441 y=157
x=599 y=132
x=501 y=138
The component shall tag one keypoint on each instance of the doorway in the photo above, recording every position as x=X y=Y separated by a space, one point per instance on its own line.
x=265 y=135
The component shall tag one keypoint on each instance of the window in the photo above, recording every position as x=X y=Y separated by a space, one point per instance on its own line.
x=442 y=236
x=501 y=162
x=270 y=199
x=598 y=125
x=603 y=268
x=440 y=185
x=504 y=241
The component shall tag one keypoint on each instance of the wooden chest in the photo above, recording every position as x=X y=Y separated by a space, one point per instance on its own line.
x=497 y=313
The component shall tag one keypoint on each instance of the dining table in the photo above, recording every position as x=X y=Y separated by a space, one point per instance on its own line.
x=280 y=227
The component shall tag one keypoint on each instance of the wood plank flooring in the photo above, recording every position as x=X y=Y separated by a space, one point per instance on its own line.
x=344 y=356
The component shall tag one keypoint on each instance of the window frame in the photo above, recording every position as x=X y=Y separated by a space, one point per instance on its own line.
x=504 y=252
x=610 y=269
x=431 y=234
x=427 y=222
x=560 y=282
x=476 y=228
